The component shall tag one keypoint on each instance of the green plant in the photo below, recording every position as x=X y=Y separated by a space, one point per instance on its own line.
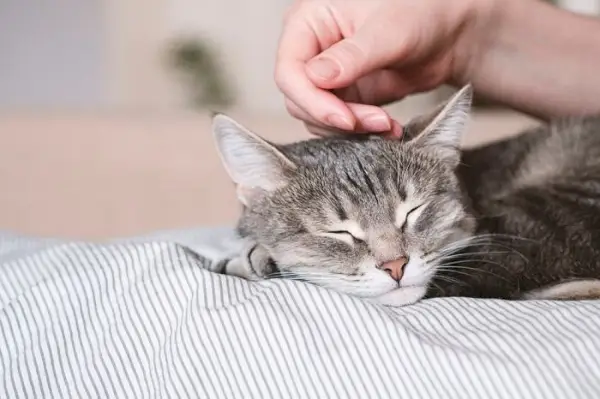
x=197 y=62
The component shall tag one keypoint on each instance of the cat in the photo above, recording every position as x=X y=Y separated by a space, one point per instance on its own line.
x=397 y=221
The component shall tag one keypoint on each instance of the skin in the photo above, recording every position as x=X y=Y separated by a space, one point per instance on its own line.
x=339 y=61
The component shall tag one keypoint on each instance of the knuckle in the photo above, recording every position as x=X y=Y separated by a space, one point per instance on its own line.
x=293 y=9
x=292 y=109
x=280 y=78
x=350 y=53
x=351 y=58
x=289 y=13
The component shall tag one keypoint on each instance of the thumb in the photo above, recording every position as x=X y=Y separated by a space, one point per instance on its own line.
x=354 y=57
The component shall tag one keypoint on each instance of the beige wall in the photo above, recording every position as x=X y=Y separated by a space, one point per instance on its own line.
x=247 y=32
x=591 y=7
x=52 y=54
x=139 y=32
x=112 y=53
x=135 y=32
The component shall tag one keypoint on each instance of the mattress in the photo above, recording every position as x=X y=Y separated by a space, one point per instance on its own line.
x=148 y=317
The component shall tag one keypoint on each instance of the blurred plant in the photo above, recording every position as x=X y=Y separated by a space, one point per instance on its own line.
x=197 y=61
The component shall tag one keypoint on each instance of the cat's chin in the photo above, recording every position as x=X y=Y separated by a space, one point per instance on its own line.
x=402 y=296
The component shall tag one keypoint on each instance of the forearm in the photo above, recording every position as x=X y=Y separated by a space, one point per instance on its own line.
x=541 y=60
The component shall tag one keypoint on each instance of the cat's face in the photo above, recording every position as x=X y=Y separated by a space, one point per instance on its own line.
x=369 y=218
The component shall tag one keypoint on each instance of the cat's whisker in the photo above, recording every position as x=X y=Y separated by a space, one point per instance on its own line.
x=471 y=254
x=486 y=262
x=436 y=286
x=453 y=251
x=465 y=255
x=516 y=252
x=458 y=272
x=500 y=235
x=489 y=239
x=455 y=269
x=480 y=262
x=449 y=280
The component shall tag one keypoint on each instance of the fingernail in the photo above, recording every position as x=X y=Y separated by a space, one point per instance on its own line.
x=397 y=129
x=324 y=68
x=341 y=122
x=377 y=123
x=395 y=133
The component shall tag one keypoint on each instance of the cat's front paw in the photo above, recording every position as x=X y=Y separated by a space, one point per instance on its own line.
x=250 y=265
x=239 y=268
x=402 y=296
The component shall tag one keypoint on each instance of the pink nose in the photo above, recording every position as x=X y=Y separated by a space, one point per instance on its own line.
x=395 y=268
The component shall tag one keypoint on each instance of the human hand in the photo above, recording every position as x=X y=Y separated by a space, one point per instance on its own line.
x=340 y=60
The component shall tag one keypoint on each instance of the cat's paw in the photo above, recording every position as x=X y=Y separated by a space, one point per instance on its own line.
x=239 y=268
x=250 y=265
x=402 y=296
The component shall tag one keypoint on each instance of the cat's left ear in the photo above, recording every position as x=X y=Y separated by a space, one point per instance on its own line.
x=254 y=165
x=441 y=131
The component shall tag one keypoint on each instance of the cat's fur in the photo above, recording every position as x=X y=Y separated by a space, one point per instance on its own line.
x=517 y=219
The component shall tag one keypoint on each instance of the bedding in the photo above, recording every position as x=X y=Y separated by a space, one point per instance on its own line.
x=148 y=317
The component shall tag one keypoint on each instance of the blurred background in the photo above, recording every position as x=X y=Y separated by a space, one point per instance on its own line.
x=104 y=126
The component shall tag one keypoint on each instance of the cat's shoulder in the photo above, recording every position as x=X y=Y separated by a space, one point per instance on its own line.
x=574 y=128
x=560 y=137
x=559 y=150
x=570 y=138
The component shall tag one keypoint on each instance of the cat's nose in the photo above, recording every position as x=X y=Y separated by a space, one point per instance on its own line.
x=395 y=268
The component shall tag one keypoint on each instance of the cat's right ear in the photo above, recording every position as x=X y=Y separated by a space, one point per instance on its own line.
x=440 y=132
x=254 y=165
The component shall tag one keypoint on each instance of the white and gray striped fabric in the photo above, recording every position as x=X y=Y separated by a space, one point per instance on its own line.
x=146 y=318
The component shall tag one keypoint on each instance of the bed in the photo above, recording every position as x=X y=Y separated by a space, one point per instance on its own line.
x=148 y=317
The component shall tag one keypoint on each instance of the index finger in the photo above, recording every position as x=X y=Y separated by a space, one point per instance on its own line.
x=297 y=45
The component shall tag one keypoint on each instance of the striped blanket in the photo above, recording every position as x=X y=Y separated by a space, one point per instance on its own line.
x=147 y=318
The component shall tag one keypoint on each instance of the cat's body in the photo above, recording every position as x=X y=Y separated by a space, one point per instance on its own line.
x=543 y=187
x=396 y=221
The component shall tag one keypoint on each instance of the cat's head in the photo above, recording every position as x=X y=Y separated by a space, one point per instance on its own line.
x=364 y=217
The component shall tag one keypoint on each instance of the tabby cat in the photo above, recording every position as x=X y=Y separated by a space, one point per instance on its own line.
x=395 y=221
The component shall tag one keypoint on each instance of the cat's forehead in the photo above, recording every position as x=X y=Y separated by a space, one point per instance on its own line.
x=384 y=176
x=360 y=180
x=360 y=199
x=370 y=207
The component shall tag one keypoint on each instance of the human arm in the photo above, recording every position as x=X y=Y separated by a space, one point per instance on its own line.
x=525 y=53
x=538 y=59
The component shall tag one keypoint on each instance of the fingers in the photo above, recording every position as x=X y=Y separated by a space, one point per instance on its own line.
x=368 y=116
x=319 y=130
x=354 y=57
x=379 y=88
x=306 y=78
x=298 y=44
x=375 y=89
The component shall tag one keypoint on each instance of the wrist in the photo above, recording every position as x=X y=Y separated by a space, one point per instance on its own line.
x=481 y=22
x=535 y=57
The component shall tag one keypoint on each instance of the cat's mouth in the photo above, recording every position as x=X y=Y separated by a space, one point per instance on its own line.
x=402 y=296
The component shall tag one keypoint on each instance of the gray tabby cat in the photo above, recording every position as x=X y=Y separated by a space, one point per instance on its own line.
x=398 y=221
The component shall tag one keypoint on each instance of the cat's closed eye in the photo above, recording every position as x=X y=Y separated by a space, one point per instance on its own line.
x=346 y=234
x=411 y=212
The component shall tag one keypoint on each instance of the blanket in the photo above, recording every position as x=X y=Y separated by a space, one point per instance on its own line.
x=149 y=318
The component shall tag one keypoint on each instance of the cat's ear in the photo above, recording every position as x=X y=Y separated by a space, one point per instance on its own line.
x=440 y=132
x=254 y=165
